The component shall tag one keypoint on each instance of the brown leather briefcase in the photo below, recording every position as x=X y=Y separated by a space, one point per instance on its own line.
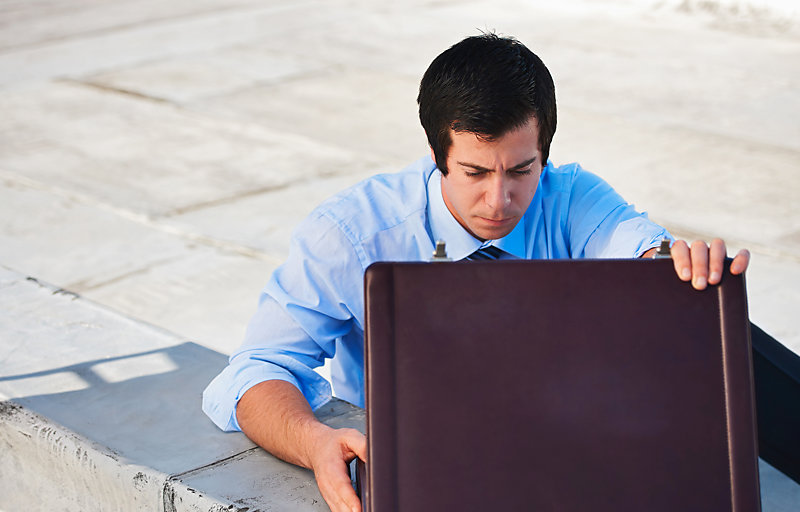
x=602 y=385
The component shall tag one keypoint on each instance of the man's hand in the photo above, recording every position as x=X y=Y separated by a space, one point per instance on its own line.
x=275 y=416
x=330 y=454
x=703 y=265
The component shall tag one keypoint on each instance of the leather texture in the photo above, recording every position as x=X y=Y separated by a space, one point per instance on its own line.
x=557 y=385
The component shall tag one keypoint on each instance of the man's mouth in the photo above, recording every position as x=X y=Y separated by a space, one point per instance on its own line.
x=497 y=222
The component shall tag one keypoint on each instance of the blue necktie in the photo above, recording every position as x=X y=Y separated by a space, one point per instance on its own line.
x=487 y=253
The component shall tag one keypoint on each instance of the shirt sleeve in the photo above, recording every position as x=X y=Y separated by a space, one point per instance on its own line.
x=303 y=310
x=601 y=224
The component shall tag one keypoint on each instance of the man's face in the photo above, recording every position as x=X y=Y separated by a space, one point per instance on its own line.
x=490 y=184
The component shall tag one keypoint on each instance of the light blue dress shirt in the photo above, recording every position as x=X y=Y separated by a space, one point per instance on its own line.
x=313 y=305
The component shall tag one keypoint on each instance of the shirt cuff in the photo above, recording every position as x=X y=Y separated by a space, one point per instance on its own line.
x=222 y=395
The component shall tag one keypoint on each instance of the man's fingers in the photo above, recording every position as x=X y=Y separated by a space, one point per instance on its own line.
x=716 y=261
x=356 y=442
x=335 y=485
x=740 y=262
x=331 y=458
x=704 y=265
x=699 y=251
x=681 y=259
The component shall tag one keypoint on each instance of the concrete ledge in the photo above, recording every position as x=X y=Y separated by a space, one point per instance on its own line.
x=101 y=412
x=44 y=464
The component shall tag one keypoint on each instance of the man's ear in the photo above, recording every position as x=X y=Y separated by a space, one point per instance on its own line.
x=433 y=157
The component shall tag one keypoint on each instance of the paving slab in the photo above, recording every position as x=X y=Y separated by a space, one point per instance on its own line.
x=149 y=272
x=37 y=22
x=265 y=221
x=71 y=240
x=176 y=35
x=153 y=159
x=200 y=76
x=207 y=296
x=665 y=73
x=373 y=114
x=390 y=37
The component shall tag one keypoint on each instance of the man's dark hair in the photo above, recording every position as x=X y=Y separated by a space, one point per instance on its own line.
x=487 y=85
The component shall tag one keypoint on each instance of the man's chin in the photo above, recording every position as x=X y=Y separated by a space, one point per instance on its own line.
x=484 y=232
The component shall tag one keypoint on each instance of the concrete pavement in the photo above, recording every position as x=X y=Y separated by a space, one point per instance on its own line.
x=155 y=156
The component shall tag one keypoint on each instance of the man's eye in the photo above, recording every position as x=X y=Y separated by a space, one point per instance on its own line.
x=523 y=172
x=472 y=174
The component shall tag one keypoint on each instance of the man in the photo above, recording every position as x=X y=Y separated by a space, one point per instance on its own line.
x=488 y=108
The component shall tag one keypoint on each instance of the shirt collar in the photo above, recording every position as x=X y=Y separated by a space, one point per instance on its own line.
x=460 y=243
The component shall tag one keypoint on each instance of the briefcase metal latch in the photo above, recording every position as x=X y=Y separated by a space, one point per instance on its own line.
x=663 y=251
x=440 y=253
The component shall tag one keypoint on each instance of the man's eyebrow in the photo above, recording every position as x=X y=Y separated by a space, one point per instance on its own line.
x=517 y=167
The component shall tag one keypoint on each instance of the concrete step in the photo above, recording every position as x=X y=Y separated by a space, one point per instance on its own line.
x=102 y=412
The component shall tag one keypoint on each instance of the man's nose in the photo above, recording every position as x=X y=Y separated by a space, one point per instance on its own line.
x=498 y=195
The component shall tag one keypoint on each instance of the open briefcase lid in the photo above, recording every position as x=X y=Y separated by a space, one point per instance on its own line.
x=557 y=385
